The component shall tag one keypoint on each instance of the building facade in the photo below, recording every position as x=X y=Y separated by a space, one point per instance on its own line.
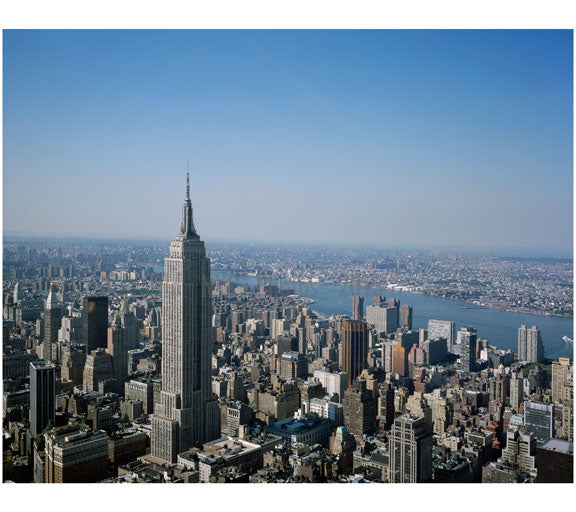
x=187 y=414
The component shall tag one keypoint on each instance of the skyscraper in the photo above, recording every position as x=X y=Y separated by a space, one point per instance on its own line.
x=442 y=329
x=42 y=396
x=53 y=313
x=406 y=317
x=539 y=420
x=118 y=349
x=354 y=348
x=468 y=353
x=357 y=307
x=530 y=347
x=16 y=294
x=383 y=318
x=128 y=321
x=360 y=409
x=187 y=414
x=410 y=450
x=94 y=322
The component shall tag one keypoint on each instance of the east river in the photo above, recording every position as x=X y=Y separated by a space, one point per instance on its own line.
x=500 y=328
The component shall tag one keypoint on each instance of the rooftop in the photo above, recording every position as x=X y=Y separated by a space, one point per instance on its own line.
x=558 y=445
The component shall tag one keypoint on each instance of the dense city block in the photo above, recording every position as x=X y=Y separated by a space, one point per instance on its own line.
x=129 y=362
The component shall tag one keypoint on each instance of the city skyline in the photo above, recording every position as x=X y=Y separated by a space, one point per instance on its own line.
x=490 y=118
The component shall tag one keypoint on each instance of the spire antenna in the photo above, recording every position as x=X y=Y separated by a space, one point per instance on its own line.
x=187 y=181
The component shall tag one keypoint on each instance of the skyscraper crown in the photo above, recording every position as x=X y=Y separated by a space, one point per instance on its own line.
x=187 y=229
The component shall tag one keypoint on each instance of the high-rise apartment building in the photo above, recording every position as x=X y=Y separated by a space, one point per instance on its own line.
x=354 y=348
x=562 y=380
x=94 y=322
x=42 y=396
x=53 y=313
x=410 y=450
x=530 y=346
x=357 y=307
x=187 y=414
x=468 y=350
x=516 y=393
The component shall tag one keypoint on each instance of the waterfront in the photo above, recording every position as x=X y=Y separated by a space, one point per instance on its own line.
x=500 y=328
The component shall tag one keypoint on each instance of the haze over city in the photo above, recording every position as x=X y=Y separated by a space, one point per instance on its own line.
x=388 y=138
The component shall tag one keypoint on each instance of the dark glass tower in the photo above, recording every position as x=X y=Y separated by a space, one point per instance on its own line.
x=42 y=396
x=94 y=322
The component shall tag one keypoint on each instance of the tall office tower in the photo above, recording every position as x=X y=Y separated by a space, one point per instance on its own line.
x=410 y=450
x=383 y=318
x=42 y=396
x=386 y=406
x=360 y=409
x=73 y=361
x=562 y=380
x=516 y=393
x=71 y=329
x=53 y=313
x=16 y=294
x=98 y=368
x=539 y=420
x=187 y=414
x=129 y=324
x=357 y=307
x=530 y=347
x=354 y=348
x=395 y=303
x=94 y=322
x=442 y=329
x=75 y=454
x=118 y=349
x=468 y=353
x=406 y=317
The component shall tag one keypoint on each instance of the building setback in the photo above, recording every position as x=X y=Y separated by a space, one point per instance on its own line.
x=187 y=414
x=410 y=450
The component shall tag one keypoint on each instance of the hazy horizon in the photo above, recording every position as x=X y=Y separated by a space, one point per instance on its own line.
x=535 y=252
x=380 y=138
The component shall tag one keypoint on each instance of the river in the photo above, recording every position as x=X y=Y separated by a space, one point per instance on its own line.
x=500 y=328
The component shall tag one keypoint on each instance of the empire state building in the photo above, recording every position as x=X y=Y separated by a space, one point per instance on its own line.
x=187 y=414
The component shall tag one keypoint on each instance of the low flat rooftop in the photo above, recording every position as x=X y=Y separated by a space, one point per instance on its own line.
x=558 y=445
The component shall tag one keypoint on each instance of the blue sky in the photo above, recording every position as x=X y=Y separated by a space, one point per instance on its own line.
x=388 y=138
